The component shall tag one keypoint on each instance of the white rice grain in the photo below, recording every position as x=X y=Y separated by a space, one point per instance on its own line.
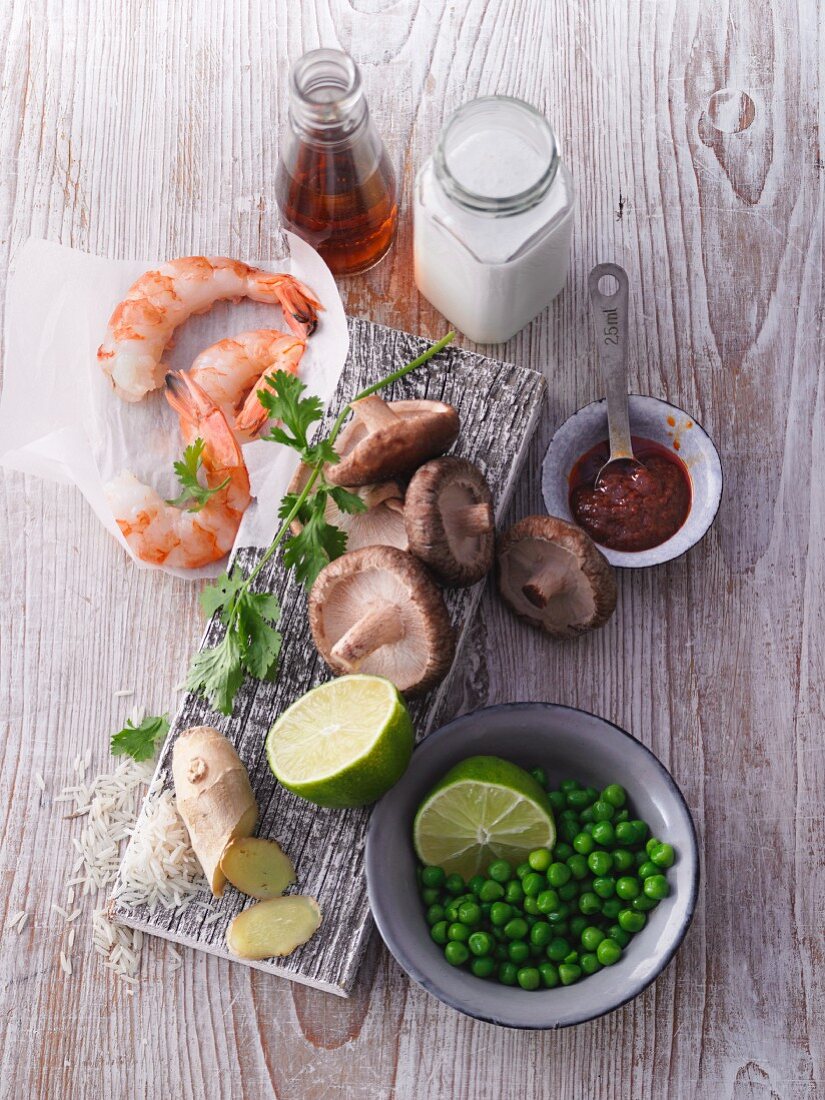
x=40 y=781
x=65 y=965
x=123 y=693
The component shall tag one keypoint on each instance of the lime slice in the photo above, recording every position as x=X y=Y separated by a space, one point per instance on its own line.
x=484 y=808
x=344 y=743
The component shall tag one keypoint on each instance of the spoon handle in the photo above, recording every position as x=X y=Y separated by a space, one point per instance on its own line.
x=611 y=324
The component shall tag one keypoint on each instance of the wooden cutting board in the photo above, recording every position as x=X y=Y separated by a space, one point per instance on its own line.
x=499 y=405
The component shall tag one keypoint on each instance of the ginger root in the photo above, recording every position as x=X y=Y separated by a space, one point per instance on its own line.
x=257 y=867
x=273 y=928
x=214 y=797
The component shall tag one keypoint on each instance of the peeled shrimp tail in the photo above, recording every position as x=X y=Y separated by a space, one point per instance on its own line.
x=253 y=415
x=299 y=304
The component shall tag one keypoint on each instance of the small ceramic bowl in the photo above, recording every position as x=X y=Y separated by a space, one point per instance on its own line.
x=653 y=419
x=567 y=743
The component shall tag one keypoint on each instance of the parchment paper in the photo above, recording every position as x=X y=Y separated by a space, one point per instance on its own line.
x=59 y=417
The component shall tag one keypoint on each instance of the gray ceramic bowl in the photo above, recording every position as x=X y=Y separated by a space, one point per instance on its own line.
x=568 y=743
x=653 y=419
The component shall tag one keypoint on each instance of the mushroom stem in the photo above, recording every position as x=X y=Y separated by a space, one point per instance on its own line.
x=374 y=412
x=382 y=625
x=544 y=584
x=475 y=519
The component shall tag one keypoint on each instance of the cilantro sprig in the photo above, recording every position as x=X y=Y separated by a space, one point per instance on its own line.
x=193 y=495
x=140 y=742
x=251 y=642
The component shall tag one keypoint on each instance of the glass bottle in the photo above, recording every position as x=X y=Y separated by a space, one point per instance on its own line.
x=335 y=185
x=493 y=217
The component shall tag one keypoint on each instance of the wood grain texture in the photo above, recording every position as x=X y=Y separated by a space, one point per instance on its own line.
x=498 y=405
x=151 y=129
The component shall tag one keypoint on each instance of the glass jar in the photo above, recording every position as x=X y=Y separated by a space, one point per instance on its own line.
x=493 y=217
x=335 y=185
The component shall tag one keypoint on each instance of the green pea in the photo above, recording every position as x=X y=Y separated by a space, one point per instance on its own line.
x=627 y=888
x=569 y=785
x=562 y=928
x=486 y=906
x=500 y=913
x=514 y=892
x=577 y=800
x=589 y=962
x=491 y=891
x=475 y=884
x=481 y=943
x=615 y=795
x=647 y=869
x=549 y=975
x=539 y=775
x=540 y=934
x=622 y=815
x=656 y=887
x=557 y=949
x=558 y=874
x=600 y=863
x=438 y=932
x=483 y=967
x=604 y=886
x=456 y=953
x=591 y=937
x=530 y=906
x=499 y=870
x=454 y=884
x=458 y=931
x=559 y=914
x=569 y=830
x=547 y=901
x=540 y=859
x=623 y=860
x=590 y=903
x=529 y=977
x=573 y=957
x=434 y=914
x=577 y=926
x=603 y=811
x=578 y=866
x=586 y=816
x=450 y=912
x=516 y=929
x=430 y=895
x=611 y=907
x=631 y=921
x=626 y=832
x=663 y=855
x=433 y=876
x=557 y=800
x=651 y=845
x=507 y=973
x=617 y=933
x=569 y=891
x=640 y=858
x=518 y=952
x=583 y=843
x=608 y=952
x=569 y=973
x=562 y=852
x=523 y=869
x=469 y=913
x=641 y=829
x=604 y=834
x=536 y=952
x=643 y=903
x=533 y=884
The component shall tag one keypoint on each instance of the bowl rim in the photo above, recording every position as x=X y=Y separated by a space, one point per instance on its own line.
x=417 y=974
x=623 y=559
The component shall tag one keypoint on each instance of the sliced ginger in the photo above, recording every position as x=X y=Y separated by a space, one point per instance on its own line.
x=257 y=867
x=273 y=928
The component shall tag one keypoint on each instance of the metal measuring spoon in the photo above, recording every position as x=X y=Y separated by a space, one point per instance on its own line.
x=611 y=324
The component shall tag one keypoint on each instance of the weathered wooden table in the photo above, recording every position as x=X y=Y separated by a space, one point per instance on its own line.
x=691 y=129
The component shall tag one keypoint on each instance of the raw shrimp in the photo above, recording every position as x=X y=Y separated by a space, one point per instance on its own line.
x=142 y=325
x=163 y=534
x=233 y=370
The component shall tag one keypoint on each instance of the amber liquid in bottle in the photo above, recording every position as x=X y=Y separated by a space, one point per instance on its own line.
x=335 y=185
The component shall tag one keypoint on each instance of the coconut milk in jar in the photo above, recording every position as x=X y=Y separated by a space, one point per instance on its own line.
x=493 y=217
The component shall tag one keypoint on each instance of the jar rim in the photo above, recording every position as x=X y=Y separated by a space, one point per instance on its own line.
x=518 y=201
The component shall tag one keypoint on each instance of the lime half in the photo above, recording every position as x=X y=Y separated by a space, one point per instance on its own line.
x=484 y=808
x=344 y=743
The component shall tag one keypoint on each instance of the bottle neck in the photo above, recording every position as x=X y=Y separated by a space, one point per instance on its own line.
x=326 y=99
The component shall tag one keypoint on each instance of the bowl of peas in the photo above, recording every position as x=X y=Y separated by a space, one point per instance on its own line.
x=562 y=931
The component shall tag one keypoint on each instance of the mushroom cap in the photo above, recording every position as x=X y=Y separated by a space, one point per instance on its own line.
x=552 y=575
x=436 y=520
x=362 y=582
x=381 y=525
x=416 y=430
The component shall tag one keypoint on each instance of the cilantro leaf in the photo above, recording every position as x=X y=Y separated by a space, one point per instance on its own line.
x=217 y=673
x=221 y=595
x=347 y=501
x=140 y=742
x=259 y=640
x=321 y=452
x=317 y=543
x=187 y=474
x=283 y=401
